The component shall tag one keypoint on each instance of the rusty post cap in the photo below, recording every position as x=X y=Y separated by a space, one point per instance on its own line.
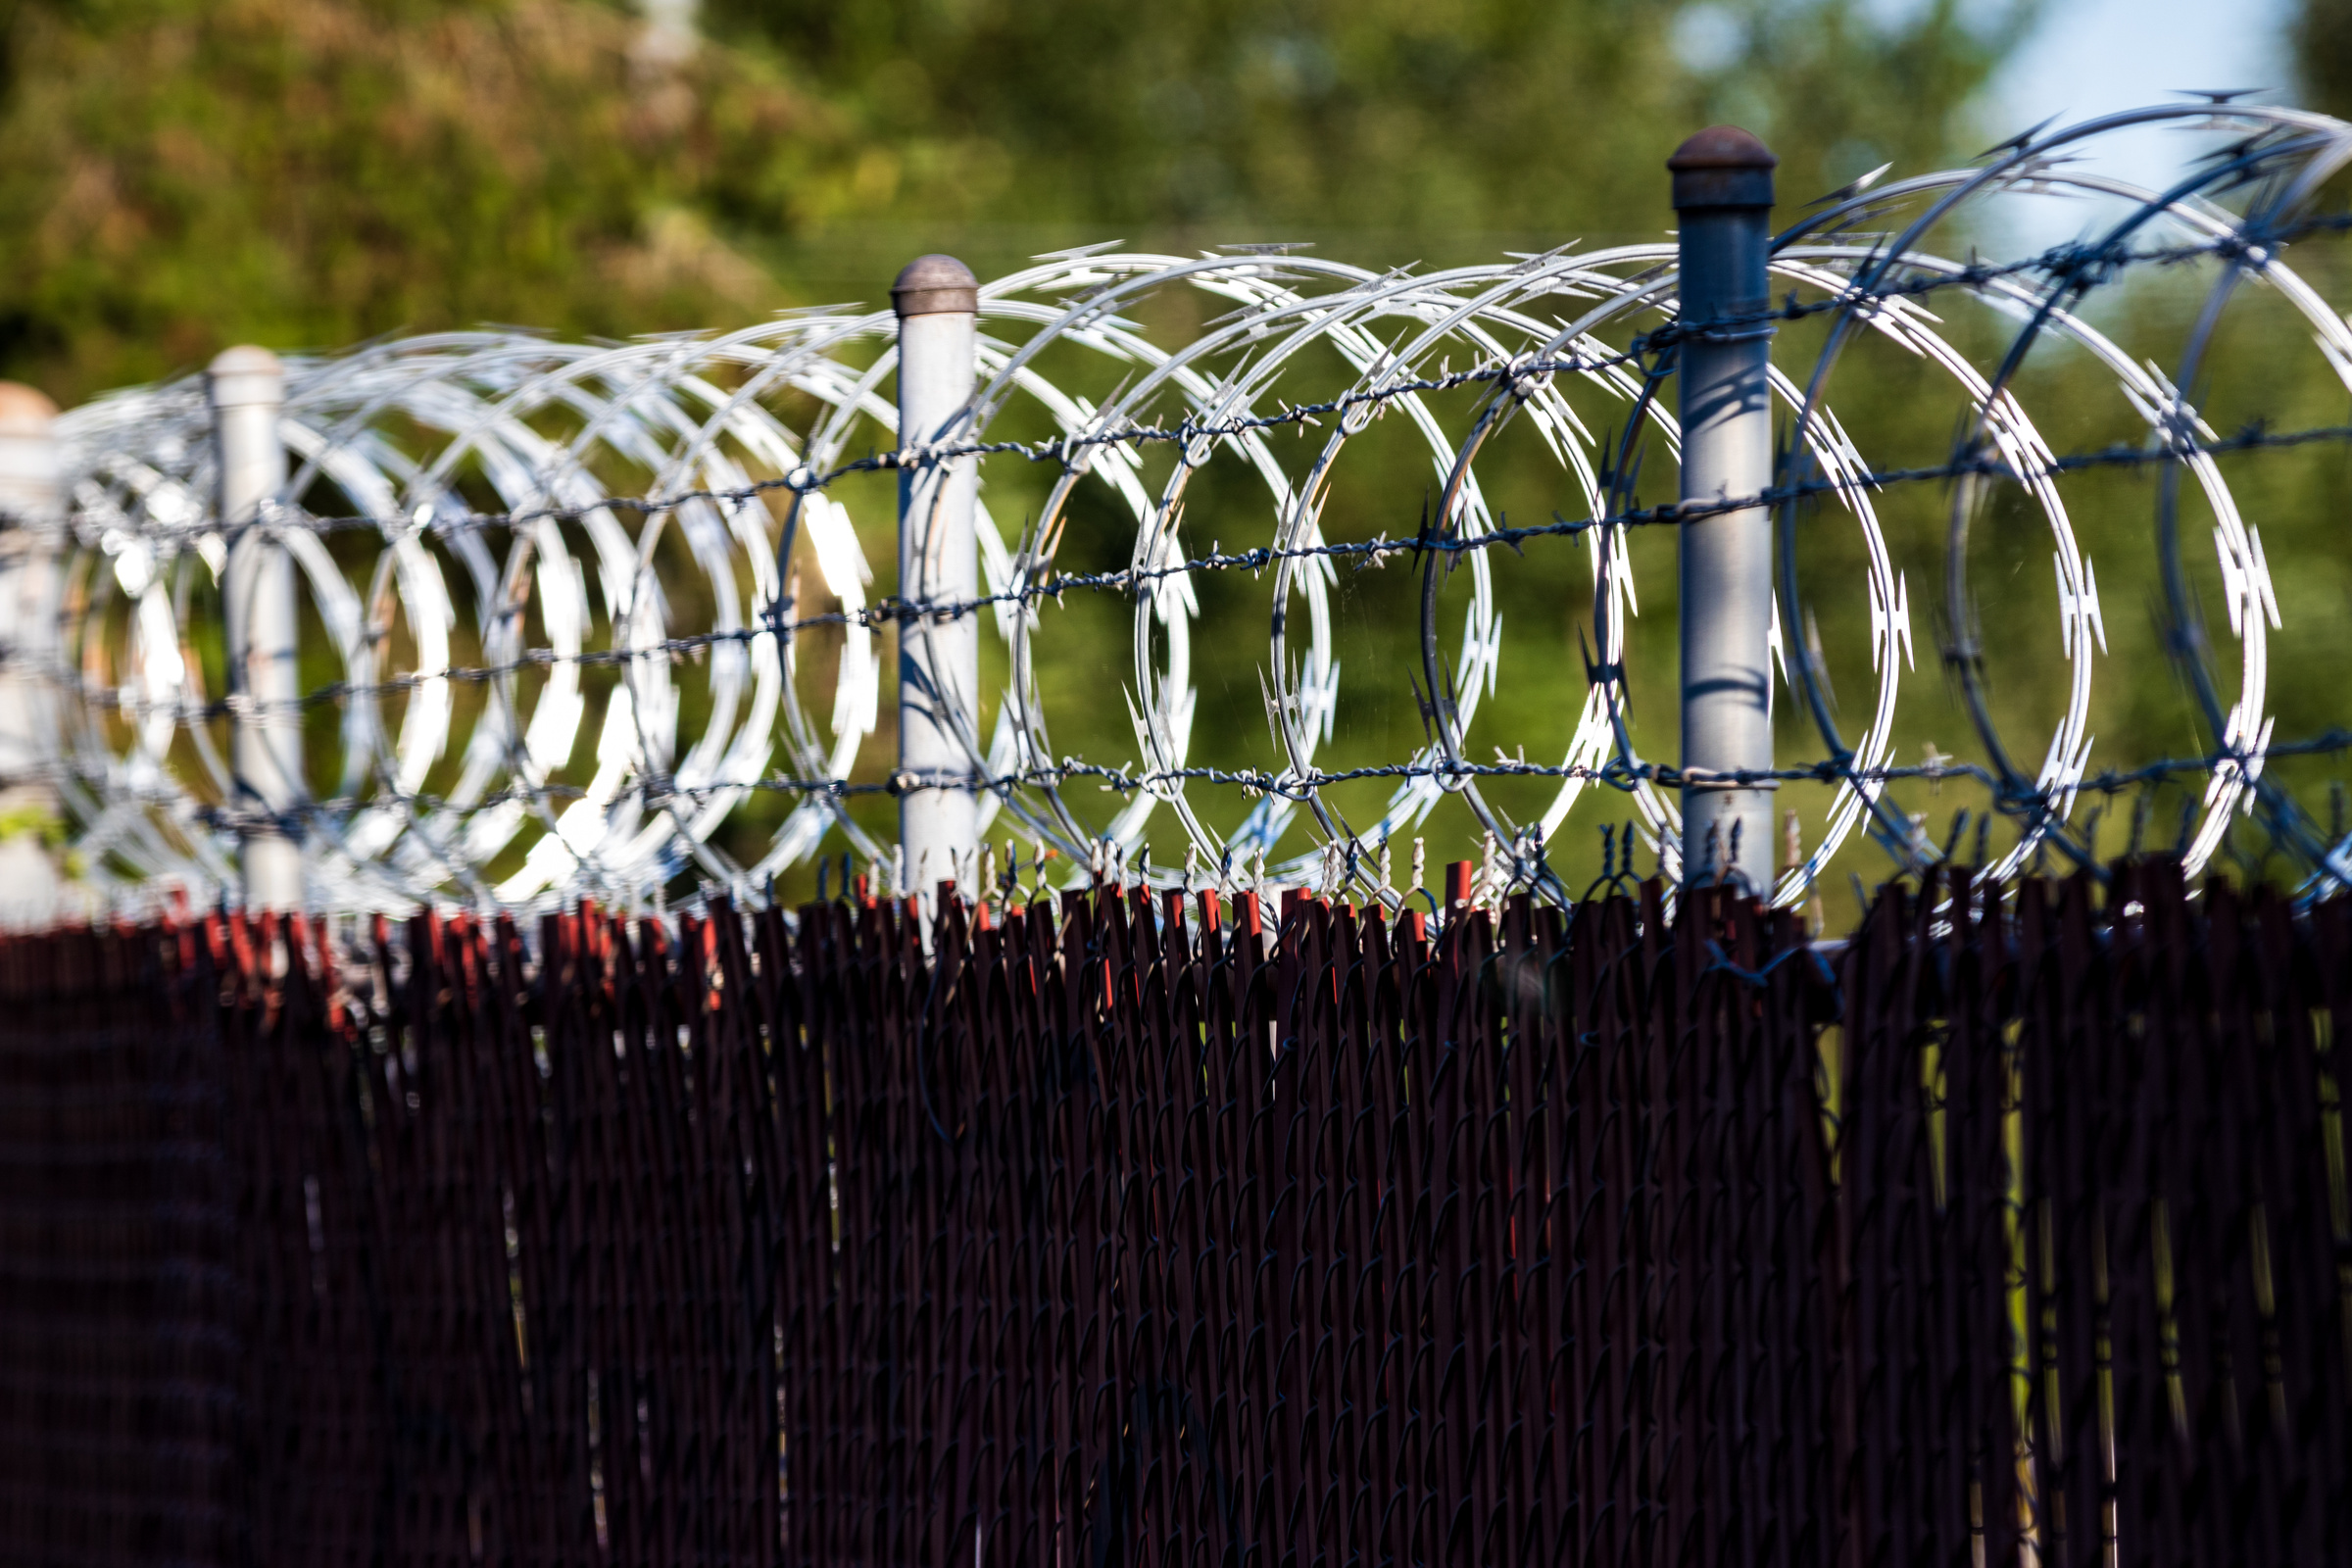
x=935 y=285
x=1721 y=165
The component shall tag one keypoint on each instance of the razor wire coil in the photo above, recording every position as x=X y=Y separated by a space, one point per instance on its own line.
x=743 y=437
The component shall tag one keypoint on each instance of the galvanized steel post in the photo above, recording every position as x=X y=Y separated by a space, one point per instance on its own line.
x=1723 y=197
x=248 y=390
x=938 y=301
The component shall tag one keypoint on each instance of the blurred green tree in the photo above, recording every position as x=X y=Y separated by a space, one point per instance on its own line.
x=1425 y=116
x=175 y=175
x=2322 y=53
x=179 y=174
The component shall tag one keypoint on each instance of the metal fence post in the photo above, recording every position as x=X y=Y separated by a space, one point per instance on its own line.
x=248 y=389
x=938 y=301
x=29 y=519
x=1723 y=197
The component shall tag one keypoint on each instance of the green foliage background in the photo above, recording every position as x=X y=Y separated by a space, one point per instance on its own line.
x=180 y=174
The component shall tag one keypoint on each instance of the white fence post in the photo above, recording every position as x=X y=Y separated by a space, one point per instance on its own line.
x=1723 y=199
x=248 y=390
x=28 y=524
x=938 y=300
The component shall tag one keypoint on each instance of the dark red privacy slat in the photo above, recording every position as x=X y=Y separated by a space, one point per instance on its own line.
x=1095 y=1236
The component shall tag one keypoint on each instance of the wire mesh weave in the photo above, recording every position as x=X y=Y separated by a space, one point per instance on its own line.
x=1106 y=1236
